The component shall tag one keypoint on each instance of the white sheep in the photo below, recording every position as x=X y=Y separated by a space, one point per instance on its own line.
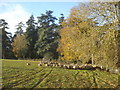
x=28 y=63
x=40 y=64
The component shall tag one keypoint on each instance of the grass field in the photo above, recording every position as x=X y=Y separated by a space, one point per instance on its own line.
x=16 y=74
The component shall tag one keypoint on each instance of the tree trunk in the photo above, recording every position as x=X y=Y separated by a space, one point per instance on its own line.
x=92 y=58
x=118 y=41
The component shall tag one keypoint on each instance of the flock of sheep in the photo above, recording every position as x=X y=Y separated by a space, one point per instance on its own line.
x=77 y=67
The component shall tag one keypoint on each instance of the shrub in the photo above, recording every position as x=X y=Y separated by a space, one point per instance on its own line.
x=48 y=56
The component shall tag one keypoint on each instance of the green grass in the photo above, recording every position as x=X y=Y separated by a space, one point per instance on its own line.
x=16 y=74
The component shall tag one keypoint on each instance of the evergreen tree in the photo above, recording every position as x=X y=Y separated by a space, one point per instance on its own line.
x=47 y=34
x=0 y=44
x=19 y=28
x=61 y=19
x=6 y=40
x=31 y=36
x=19 y=42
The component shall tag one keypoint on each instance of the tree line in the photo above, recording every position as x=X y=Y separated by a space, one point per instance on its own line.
x=39 y=40
x=89 y=35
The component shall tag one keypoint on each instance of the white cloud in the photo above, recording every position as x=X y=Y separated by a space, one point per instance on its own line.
x=13 y=15
x=3 y=4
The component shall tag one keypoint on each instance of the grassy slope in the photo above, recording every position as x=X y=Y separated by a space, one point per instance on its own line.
x=16 y=74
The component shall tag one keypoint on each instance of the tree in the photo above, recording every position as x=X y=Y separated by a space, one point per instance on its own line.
x=74 y=42
x=118 y=36
x=61 y=19
x=20 y=46
x=31 y=37
x=1 y=44
x=71 y=36
x=47 y=34
x=19 y=28
x=6 y=40
x=107 y=15
x=85 y=38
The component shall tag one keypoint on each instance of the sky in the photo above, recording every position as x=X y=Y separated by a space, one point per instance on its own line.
x=15 y=12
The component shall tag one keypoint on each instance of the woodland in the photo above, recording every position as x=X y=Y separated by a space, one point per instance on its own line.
x=89 y=35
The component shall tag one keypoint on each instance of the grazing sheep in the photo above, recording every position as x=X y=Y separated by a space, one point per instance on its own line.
x=70 y=67
x=101 y=67
x=114 y=71
x=97 y=68
x=94 y=66
x=40 y=64
x=65 y=66
x=53 y=65
x=79 y=67
x=28 y=63
x=56 y=63
x=46 y=64
x=89 y=67
x=75 y=67
x=50 y=64
x=61 y=65
x=107 y=69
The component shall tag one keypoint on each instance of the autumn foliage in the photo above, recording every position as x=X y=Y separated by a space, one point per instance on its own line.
x=83 y=39
x=20 y=45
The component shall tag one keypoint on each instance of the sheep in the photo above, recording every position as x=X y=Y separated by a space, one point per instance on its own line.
x=94 y=66
x=70 y=67
x=101 y=67
x=53 y=65
x=97 y=68
x=75 y=67
x=65 y=66
x=40 y=64
x=106 y=69
x=46 y=64
x=56 y=65
x=51 y=62
x=28 y=63
x=80 y=67
x=61 y=65
x=114 y=71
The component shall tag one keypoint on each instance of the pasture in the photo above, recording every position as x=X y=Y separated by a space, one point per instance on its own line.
x=17 y=74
